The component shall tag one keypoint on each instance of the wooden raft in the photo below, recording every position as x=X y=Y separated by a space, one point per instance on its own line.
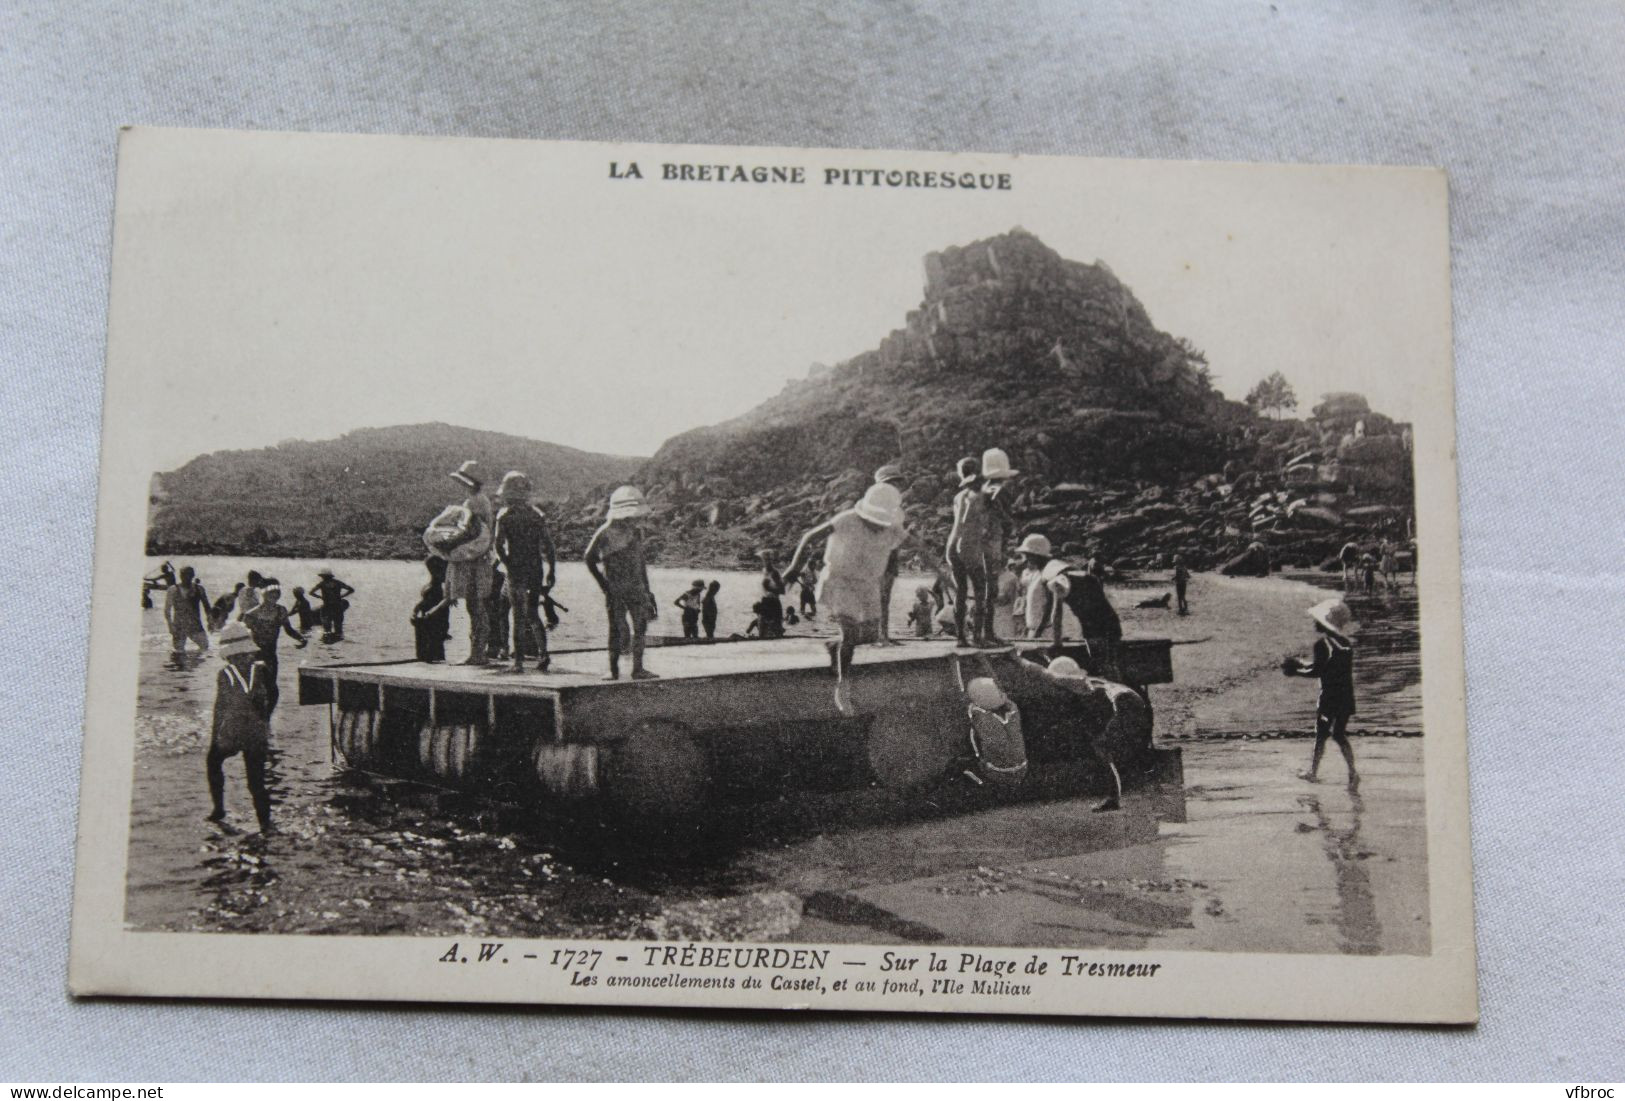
x=726 y=722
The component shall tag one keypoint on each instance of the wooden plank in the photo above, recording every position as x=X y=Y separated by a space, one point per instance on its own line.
x=585 y=668
x=756 y=664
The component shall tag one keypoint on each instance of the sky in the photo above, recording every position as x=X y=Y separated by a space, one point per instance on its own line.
x=274 y=286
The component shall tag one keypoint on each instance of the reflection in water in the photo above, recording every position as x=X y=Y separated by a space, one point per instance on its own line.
x=1358 y=929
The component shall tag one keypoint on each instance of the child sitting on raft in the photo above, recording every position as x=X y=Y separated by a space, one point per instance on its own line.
x=860 y=544
x=615 y=559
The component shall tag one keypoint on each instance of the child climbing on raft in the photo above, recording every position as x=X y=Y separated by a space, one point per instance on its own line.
x=860 y=542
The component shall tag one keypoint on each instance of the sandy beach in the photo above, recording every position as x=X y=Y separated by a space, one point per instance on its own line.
x=1178 y=867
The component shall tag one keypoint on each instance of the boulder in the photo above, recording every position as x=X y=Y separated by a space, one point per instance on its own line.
x=1368 y=514
x=1315 y=516
x=1341 y=404
x=1371 y=449
x=1252 y=562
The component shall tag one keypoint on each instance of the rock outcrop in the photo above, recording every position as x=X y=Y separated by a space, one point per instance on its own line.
x=1127 y=449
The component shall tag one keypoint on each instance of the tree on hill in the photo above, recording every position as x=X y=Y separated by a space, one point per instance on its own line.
x=1274 y=392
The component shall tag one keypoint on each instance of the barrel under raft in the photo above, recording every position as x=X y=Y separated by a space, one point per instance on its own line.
x=676 y=746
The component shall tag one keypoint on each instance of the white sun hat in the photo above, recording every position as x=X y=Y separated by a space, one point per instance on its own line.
x=626 y=503
x=1335 y=616
x=985 y=693
x=996 y=465
x=882 y=505
x=1065 y=667
x=1035 y=544
x=234 y=639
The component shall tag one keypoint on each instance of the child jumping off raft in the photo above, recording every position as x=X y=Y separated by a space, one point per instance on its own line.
x=242 y=722
x=1333 y=665
x=860 y=543
x=615 y=559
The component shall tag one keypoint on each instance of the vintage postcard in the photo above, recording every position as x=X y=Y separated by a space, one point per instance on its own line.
x=775 y=578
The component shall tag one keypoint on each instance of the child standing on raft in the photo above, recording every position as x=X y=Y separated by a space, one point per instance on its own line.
x=242 y=722
x=996 y=474
x=860 y=544
x=525 y=548
x=431 y=617
x=1333 y=664
x=615 y=559
x=964 y=550
x=976 y=543
x=708 y=610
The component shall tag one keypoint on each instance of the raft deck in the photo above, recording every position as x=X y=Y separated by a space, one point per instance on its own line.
x=1145 y=662
x=735 y=720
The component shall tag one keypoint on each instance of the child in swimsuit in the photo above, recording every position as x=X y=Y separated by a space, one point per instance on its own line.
x=860 y=544
x=242 y=723
x=615 y=559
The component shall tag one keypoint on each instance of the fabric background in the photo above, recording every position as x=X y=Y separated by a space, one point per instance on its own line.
x=1523 y=103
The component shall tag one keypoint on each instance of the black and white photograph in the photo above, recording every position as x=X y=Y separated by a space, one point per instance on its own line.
x=760 y=577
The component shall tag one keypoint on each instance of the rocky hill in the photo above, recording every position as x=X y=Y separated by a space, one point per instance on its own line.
x=368 y=493
x=1127 y=449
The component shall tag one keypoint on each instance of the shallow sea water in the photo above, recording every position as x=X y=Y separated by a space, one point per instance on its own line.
x=1178 y=866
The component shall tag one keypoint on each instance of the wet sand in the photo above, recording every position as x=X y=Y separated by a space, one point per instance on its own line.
x=1243 y=856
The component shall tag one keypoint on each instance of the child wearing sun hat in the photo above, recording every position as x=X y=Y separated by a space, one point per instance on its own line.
x=860 y=544
x=242 y=721
x=1333 y=665
x=615 y=558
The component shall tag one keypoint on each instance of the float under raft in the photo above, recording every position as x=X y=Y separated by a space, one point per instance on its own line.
x=727 y=722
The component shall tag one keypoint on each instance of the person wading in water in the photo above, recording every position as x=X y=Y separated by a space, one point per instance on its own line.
x=242 y=723
x=1333 y=664
x=303 y=614
x=691 y=603
x=186 y=606
x=332 y=593
x=267 y=623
